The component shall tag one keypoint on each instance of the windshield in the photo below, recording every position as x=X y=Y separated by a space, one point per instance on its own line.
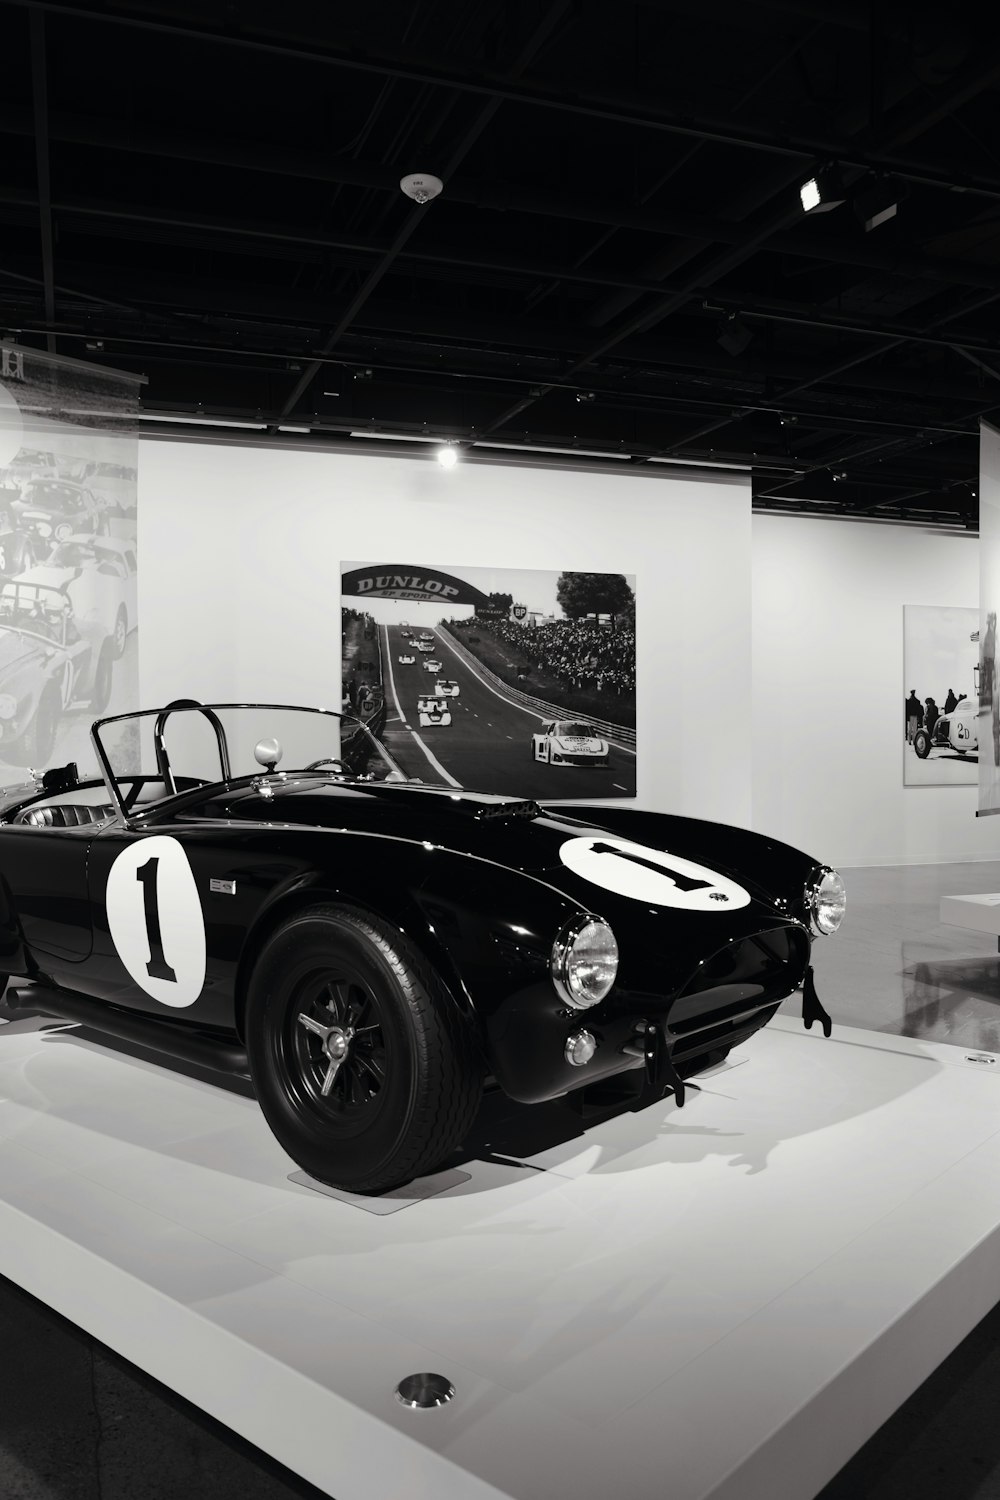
x=176 y=748
x=54 y=497
x=573 y=729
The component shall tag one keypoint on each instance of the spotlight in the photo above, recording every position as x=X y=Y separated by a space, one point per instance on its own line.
x=877 y=202
x=447 y=456
x=735 y=335
x=824 y=191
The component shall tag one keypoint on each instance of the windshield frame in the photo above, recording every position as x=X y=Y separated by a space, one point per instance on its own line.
x=211 y=712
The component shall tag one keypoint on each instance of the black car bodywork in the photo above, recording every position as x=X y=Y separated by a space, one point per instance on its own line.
x=475 y=888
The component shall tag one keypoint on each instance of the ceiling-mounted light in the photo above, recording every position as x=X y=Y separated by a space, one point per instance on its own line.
x=877 y=201
x=447 y=456
x=824 y=191
x=734 y=336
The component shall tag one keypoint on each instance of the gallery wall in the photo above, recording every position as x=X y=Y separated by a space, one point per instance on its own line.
x=243 y=546
x=828 y=690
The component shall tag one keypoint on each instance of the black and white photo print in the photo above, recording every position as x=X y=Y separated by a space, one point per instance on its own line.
x=520 y=681
x=940 y=696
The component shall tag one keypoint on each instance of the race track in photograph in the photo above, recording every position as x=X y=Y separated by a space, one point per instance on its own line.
x=488 y=744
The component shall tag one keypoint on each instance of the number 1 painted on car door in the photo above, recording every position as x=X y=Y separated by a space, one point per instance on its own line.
x=157 y=967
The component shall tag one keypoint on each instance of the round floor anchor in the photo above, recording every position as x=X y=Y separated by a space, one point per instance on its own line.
x=425 y=1390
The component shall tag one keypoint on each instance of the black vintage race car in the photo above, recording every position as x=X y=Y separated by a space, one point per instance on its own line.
x=374 y=952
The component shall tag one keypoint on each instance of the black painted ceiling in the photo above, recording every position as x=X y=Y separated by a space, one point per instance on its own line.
x=209 y=193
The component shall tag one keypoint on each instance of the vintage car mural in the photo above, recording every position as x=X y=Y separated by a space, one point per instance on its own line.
x=50 y=510
x=372 y=952
x=98 y=576
x=50 y=663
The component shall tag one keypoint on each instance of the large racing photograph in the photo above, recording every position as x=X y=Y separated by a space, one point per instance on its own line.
x=511 y=680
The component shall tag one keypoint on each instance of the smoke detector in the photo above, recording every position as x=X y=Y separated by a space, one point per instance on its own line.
x=421 y=186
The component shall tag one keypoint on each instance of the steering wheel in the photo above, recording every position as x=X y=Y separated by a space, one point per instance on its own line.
x=327 y=760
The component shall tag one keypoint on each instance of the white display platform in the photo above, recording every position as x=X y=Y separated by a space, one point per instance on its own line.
x=722 y=1301
x=981 y=912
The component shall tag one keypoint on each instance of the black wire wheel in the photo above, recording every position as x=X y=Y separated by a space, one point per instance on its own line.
x=364 y=1067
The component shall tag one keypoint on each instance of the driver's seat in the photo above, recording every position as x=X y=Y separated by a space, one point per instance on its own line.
x=63 y=815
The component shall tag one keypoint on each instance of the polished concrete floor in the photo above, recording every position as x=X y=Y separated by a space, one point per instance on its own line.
x=895 y=967
x=78 y=1423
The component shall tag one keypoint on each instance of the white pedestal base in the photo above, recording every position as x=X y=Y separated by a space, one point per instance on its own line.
x=723 y=1301
x=981 y=913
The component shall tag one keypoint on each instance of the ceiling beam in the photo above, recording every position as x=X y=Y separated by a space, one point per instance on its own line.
x=645 y=114
x=40 y=103
x=244 y=234
x=807 y=241
x=540 y=35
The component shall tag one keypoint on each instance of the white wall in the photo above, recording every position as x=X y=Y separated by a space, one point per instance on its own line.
x=828 y=691
x=240 y=553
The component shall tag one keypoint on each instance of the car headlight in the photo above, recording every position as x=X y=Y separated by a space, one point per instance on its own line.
x=826 y=899
x=584 y=961
x=43 y=528
x=63 y=530
x=8 y=706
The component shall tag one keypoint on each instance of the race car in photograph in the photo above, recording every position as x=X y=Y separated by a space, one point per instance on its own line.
x=426 y=635
x=569 y=742
x=447 y=687
x=98 y=576
x=50 y=510
x=374 y=954
x=957 y=732
x=406 y=661
x=49 y=665
x=426 y=647
x=432 y=664
x=433 y=711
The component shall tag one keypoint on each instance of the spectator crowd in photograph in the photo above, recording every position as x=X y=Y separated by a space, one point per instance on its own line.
x=579 y=654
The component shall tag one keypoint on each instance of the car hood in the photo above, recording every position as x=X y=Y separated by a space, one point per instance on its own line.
x=14 y=649
x=47 y=577
x=575 y=743
x=616 y=862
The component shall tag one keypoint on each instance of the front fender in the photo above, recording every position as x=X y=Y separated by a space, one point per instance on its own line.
x=487 y=930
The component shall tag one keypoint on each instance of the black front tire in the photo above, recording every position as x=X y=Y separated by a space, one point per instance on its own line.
x=409 y=1087
x=921 y=744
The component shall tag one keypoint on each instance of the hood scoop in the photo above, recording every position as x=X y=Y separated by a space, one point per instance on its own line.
x=495 y=810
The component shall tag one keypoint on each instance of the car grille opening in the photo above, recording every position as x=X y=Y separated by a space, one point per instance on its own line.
x=737 y=990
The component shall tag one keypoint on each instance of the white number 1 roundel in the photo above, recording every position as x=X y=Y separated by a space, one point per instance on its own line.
x=156 y=920
x=651 y=875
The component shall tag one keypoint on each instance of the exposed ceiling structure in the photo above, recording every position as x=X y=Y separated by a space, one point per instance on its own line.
x=619 y=264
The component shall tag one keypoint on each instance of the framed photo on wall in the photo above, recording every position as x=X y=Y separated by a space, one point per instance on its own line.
x=940 y=696
x=512 y=680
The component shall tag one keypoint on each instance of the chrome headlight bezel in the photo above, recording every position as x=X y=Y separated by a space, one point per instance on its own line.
x=825 y=915
x=565 y=947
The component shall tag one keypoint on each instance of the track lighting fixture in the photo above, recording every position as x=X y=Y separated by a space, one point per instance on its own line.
x=822 y=192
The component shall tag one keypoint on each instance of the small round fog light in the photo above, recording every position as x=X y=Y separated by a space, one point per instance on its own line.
x=580 y=1048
